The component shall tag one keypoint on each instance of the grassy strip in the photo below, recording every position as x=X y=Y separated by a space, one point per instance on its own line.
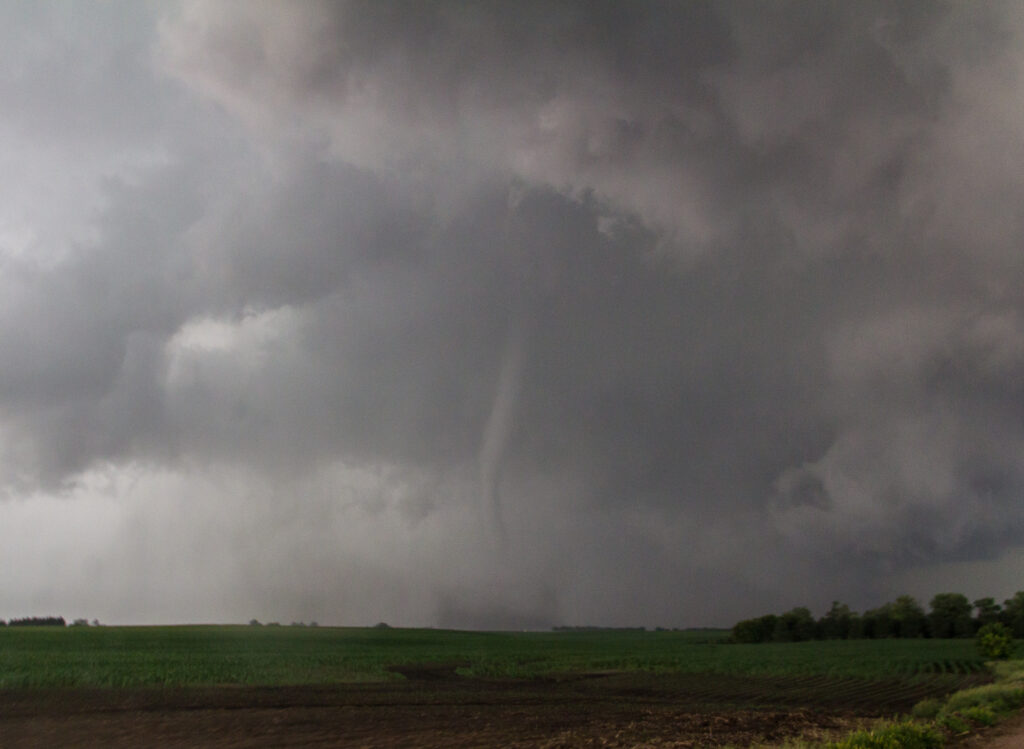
x=904 y=735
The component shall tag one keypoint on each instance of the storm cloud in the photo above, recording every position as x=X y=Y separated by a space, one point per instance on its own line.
x=492 y=314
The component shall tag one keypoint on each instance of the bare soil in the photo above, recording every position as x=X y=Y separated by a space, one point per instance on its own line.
x=1007 y=735
x=605 y=710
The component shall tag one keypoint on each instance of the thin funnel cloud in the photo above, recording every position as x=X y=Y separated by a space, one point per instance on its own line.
x=500 y=423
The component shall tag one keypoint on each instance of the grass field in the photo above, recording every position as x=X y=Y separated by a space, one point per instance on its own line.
x=242 y=655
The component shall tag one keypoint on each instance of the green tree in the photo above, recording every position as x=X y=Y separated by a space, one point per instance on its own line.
x=802 y=623
x=908 y=617
x=987 y=611
x=782 y=631
x=754 y=630
x=856 y=628
x=951 y=616
x=1013 y=613
x=796 y=625
x=878 y=623
x=836 y=624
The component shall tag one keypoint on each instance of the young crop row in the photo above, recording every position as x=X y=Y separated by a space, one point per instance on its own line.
x=124 y=656
x=952 y=666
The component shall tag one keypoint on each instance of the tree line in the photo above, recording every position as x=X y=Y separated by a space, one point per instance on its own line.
x=35 y=621
x=950 y=615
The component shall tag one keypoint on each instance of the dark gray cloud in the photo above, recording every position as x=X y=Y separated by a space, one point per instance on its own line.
x=545 y=312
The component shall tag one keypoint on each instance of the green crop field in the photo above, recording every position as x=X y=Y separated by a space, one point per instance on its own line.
x=242 y=655
x=400 y=687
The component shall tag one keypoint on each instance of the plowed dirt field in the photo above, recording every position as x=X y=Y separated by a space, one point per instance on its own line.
x=607 y=710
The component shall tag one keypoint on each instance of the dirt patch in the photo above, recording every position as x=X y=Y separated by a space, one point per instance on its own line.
x=1008 y=734
x=428 y=671
x=435 y=713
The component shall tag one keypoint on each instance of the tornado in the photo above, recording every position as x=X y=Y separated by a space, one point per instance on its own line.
x=500 y=422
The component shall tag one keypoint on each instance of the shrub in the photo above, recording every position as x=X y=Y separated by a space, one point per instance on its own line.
x=954 y=723
x=995 y=641
x=895 y=736
x=927 y=709
x=1009 y=671
x=980 y=715
x=1000 y=698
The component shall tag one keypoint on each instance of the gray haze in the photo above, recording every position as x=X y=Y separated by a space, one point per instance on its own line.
x=493 y=314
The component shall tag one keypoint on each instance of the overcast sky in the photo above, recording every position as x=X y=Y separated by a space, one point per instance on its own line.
x=508 y=314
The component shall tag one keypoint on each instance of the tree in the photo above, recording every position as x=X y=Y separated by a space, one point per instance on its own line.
x=836 y=624
x=951 y=616
x=908 y=618
x=995 y=641
x=1013 y=613
x=754 y=630
x=38 y=621
x=878 y=623
x=856 y=628
x=987 y=611
x=795 y=625
x=802 y=624
x=782 y=632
